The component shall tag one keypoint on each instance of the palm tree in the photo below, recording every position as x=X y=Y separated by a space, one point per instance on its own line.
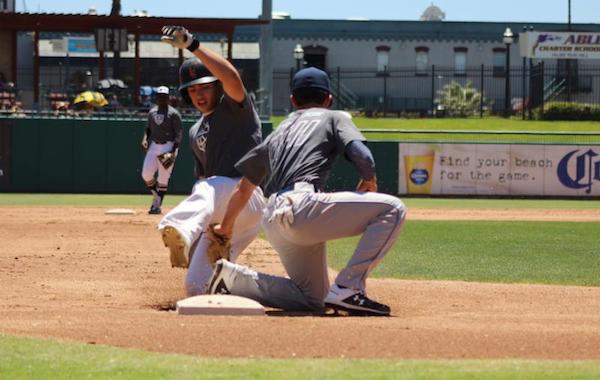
x=459 y=101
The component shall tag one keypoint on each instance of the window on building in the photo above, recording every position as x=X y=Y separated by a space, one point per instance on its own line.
x=499 y=62
x=422 y=60
x=460 y=61
x=383 y=58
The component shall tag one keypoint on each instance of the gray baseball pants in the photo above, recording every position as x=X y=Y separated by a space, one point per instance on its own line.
x=301 y=244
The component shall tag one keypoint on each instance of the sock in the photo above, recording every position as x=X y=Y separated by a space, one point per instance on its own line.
x=161 y=191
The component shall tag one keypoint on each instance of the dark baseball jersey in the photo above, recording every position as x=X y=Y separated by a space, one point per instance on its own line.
x=302 y=149
x=164 y=125
x=220 y=139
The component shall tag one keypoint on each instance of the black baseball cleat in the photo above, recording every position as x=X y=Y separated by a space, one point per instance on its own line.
x=349 y=302
x=155 y=211
x=217 y=281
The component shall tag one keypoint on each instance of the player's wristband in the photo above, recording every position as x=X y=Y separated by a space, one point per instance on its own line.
x=194 y=45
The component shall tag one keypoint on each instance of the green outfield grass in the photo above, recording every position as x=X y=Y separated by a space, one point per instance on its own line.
x=490 y=124
x=487 y=124
x=506 y=252
x=122 y=200
x=26 y=358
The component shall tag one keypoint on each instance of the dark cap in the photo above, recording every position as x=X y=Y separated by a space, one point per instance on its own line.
x=311 y=77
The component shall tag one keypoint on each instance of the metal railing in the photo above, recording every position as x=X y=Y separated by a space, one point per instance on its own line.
x=404 y=91
x=396 y=91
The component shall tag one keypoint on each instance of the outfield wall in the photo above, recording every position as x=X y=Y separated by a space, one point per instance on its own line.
x=104 y=156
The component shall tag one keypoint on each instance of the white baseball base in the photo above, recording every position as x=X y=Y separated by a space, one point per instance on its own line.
x=120 y=211
x=217 y=304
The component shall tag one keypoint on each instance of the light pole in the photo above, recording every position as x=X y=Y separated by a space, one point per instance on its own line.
x=568 y=59
x=298 y=56
x=569 y=14
x=508 y=40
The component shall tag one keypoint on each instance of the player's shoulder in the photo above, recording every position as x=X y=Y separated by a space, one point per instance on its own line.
x=343 y=115
x=173 y=110
x=326 y=113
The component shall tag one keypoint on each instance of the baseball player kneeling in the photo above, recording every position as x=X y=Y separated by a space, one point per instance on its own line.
x=293 y=164
x=161 y=140
x=228 y=129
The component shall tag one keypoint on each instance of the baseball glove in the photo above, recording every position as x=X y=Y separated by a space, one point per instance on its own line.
x=166 y=159
x=219 y=247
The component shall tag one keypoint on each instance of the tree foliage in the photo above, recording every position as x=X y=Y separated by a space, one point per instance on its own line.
x=460 y=101
x=116 y=8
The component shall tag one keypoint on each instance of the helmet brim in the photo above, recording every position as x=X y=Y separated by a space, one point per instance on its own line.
x=203 y=80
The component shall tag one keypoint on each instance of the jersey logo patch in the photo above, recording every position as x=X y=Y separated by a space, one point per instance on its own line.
x=202 y=136
x=159 y=118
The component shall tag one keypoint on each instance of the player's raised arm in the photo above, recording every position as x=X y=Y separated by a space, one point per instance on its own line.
x=180 y=37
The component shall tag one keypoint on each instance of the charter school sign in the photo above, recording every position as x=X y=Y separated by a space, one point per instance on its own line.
x=560 y=45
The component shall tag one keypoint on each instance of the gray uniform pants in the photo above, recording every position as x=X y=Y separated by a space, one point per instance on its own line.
x=301 y=244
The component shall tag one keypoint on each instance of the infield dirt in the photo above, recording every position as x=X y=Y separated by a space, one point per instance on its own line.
x=77 y=274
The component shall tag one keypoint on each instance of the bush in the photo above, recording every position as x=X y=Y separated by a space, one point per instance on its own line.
x=570 y=111
x=459 y=101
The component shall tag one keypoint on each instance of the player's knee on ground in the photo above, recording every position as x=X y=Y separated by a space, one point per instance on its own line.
x=194 y=287
x=315 y=304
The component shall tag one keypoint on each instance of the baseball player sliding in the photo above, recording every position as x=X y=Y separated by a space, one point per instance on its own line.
x=293 y=164
x=228 y=129
x=161 y=140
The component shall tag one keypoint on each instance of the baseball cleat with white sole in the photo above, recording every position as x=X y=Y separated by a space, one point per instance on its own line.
x=349 y=302
x=178 y=247
x=221 y=276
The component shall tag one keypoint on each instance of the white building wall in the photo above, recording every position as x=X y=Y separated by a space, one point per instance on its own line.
x=357 y=60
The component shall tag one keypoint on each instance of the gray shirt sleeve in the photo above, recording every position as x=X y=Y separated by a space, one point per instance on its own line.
x=255 y=164
x=244 y=106
x=345 y=131
x=358 y=153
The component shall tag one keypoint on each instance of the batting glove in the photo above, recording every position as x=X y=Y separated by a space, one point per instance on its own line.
x=177 y=36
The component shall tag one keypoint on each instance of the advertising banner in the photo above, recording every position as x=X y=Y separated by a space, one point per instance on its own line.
x=499 y=169
x=81 y=45
x=560 y=45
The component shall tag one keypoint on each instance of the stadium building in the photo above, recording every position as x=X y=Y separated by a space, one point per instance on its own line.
x=375 y=66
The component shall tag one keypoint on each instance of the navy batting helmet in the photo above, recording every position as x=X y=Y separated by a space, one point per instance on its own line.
x=192 y=72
